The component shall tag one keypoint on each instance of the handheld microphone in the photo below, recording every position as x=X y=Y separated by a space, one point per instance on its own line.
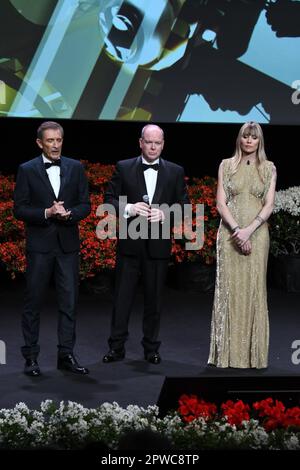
x=146 y=199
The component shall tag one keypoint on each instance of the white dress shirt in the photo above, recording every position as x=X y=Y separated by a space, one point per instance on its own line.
x=54 y=176
x=150 y=180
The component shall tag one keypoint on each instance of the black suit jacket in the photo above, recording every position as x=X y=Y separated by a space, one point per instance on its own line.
x=33 y=194
x=128 y=180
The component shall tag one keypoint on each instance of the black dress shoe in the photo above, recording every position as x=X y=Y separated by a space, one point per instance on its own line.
x=32 y=368
x=69 y=363
x=114 y=355
x=153 y=358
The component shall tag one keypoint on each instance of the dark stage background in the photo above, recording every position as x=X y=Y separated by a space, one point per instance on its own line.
x=198 y=147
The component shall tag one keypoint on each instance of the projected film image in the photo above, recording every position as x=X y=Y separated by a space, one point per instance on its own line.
x=151 y=60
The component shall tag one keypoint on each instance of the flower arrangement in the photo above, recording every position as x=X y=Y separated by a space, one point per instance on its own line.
x=285 y=222
x=12 y=233
x=196 y=425
x=6 y=187
x=200 y=191
x=12 y=256
x=98 y=175
x=96 y=254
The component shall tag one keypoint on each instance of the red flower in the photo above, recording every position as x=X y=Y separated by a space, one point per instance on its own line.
x=12 y=254
x=10 y=228
x=201 y=191
x=236 y=412
x=292 y=418
x=272 y=414
x=275 y=414
x=191 y=407
x=7 y=186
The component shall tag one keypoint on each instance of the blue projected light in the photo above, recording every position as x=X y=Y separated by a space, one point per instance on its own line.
x=162 y=60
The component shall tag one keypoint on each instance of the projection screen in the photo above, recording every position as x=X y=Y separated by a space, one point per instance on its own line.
x=151 y=60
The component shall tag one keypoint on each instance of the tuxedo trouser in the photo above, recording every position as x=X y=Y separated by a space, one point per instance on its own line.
x=128 y=271
x=65 y=269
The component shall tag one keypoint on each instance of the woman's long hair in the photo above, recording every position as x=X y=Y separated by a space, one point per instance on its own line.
x=255 y=130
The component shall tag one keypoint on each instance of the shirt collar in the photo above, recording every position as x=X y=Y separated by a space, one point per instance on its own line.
x=152 y=163
x=46 y=160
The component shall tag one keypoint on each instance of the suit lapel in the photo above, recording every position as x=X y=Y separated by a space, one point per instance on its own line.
x=141 y=184
x=40 y=168
x=160 y=182
x=64 y=173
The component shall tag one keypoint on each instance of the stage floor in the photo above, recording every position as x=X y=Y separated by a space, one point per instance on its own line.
x=185 y=328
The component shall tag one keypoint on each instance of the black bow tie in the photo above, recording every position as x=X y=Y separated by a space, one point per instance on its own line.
x=49 y=165
x=155 y=166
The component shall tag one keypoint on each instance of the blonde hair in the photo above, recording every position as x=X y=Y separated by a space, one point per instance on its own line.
x=255 y=130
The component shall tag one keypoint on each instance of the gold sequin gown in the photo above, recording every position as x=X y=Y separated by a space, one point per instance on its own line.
x=240 y=325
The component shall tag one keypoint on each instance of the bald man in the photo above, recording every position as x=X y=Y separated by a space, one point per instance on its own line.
x=146 y=181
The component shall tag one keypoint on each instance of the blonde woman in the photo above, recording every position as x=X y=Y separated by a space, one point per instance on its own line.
x=245 y=198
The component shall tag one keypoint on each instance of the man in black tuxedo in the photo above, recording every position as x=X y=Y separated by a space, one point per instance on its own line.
x=51 y=197
x=145 y=181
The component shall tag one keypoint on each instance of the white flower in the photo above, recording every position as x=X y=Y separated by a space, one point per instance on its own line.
x=288 y=200
x=21 y=407
x=285 y=222
x=292 y=442
x=71 y=425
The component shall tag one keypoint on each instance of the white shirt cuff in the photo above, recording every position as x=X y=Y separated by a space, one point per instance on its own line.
x=127 y=211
